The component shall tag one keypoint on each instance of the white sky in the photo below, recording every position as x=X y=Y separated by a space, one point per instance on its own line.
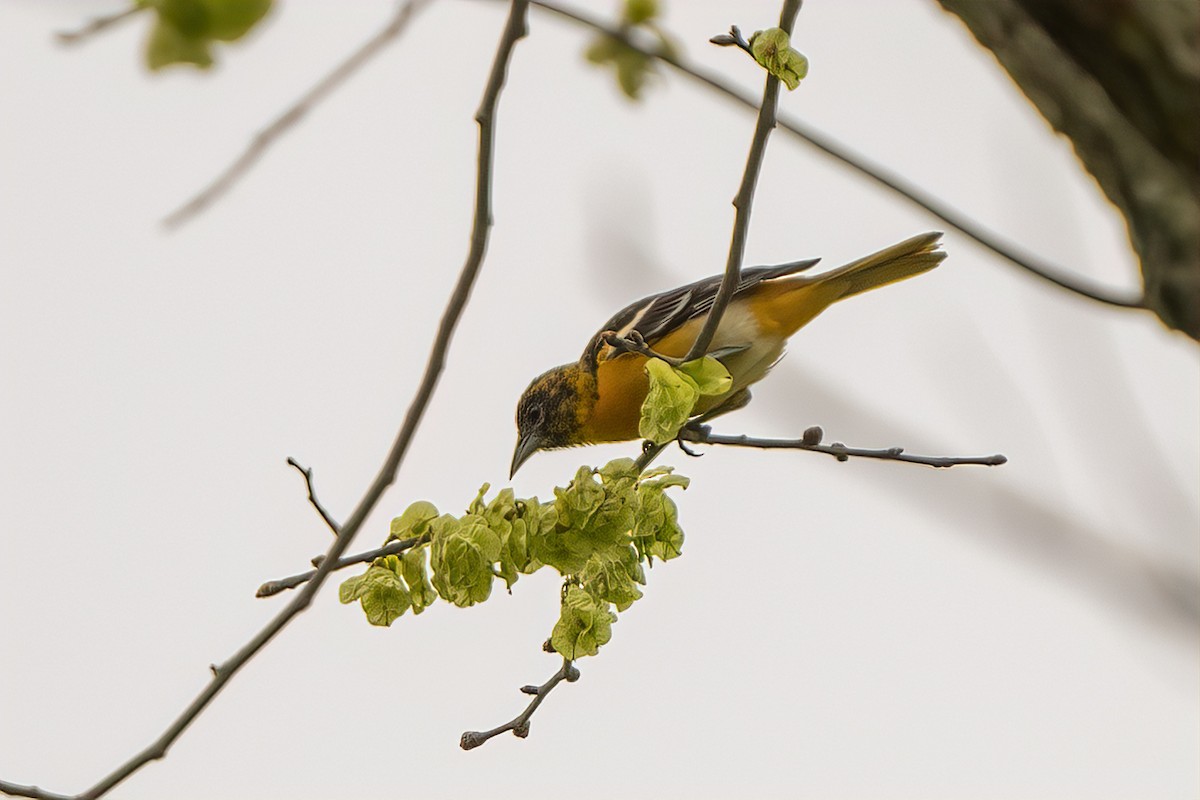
x=859 y=630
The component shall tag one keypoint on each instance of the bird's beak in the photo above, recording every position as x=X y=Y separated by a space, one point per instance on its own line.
x=527 y=445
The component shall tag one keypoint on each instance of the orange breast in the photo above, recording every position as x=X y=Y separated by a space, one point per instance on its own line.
x=621 y=386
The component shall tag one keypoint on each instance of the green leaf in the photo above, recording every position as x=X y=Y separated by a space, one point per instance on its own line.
x=709 y=375
x=576 y=503
x=583 y=625
x=186 y=29
x=380 y=591
x=412 y=567
x=516 y=557
x=772 y=49
x=414 y=521
x=461 y=557
x=614 y=579
x=168 y=46
x=669 y=402
x=633 y=67
x=657 y=532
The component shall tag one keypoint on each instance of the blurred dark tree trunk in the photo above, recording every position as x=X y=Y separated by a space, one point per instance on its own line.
x=1121 y=79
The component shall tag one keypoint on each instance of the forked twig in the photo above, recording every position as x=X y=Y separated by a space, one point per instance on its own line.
x=519 y=725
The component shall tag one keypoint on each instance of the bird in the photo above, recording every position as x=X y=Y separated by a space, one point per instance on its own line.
x=599 y=398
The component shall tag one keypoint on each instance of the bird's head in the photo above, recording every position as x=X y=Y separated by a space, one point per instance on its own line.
x=553 y=411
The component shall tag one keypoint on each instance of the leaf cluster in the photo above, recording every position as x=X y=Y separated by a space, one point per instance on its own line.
x=597 y=533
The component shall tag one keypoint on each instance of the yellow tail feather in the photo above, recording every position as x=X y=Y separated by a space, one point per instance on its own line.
x=795 y=301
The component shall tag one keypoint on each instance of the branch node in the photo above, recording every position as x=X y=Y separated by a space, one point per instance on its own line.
x=519 y=725
x=839 y=450
x=471 y=739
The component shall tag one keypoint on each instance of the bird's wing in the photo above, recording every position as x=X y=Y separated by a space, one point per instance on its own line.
x=657 y=315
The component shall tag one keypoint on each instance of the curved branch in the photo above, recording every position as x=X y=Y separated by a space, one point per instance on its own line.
x=968 y=227
x=514 y=30
x=519 y=724
x=743 y=201
x=288 y=119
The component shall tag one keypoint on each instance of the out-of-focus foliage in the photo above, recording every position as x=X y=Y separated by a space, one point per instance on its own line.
x=185 y=30
x=632 y=66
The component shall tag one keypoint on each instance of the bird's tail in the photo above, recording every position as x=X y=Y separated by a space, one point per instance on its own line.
x=910 y=257
x=797 y=300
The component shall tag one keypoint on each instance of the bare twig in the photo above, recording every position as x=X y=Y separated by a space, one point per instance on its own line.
x=514 y=29
x=733 y=39
x=519 y=725
x=743 y=201
x=968 y=227
x=284 y=122
x=17 y=790
x=811 y=441
x=96 y=25
x=292 y=581
x=312 y=496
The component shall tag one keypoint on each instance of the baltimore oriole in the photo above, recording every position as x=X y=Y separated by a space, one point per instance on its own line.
x=599 y=397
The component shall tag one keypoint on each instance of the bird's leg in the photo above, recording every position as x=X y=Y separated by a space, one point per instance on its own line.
x=697 y=431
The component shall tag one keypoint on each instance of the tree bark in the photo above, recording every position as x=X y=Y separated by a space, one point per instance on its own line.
x=1120 y=79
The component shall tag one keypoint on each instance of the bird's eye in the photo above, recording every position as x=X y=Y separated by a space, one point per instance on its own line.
x=535 y=415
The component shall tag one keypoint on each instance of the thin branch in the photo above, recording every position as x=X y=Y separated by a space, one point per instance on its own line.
x=292 y=581
x=743 y=201
x=514 y=30
x=811 y=441
x=312 y=496
x=650 y=451
x=943 y=211
x=519 y=725
x=634 y=343
x=17 y=790
x=288 y=119
x=96 y=25
x=733 y=39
